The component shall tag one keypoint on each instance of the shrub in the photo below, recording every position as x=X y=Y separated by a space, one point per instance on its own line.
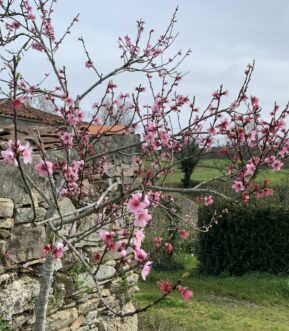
x=245 y=239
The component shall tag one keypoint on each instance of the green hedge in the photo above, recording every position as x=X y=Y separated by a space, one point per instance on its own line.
x=246 y=239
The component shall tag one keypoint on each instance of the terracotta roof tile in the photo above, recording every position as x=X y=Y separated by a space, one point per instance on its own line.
x=117 y=129
x=29 y=113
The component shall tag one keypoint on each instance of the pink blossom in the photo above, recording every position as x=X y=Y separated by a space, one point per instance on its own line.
x=96 y=257
x=250 y=169
x=135 y=203
x=58 y=250
x=185 y=292
x=165 y=286
x=66 y=139
x=37 y=46
x=88 y=64
x=238 y=186
x=140 y=254
x=123 y=253
x=255 y=101
x=46 y=249
x=9 y=157
x=276 y=165
x=146 y=269
x=184 y=234
x=44 y=168
x=157 y=241
x=139 y=237
x=142 y=217
x=27 y=154
x=106 y=236
x=169 y=247
x=245 y=197
x=212 y=130
x=208 y=200
x=18 y=102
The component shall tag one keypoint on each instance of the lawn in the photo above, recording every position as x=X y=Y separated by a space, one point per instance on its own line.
x=207 y=169
x=254 y=301
x=251 y=302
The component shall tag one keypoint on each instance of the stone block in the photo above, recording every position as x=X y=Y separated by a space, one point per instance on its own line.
x=26 y=214
x=62 y=319
x=6 y=207
x=92 y=317
x=88 y=305
x=6 y=223
x=4 y=234
x=84 y=328
x=77 y=323
x=26 y=243
x=18 y=297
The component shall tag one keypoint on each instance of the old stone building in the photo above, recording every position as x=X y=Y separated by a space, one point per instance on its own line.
x=74 y=303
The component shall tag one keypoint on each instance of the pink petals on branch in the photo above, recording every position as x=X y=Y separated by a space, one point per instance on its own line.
x=9 y=155
x=142 y=218
x=146 y=269
x=57 y=250
x=276 y=165
x=184 y=234
x=137 y=204
x=185 y=292
x=238 y=186
x=140 y=255
x=27 y=154
x=44 y=168
x=208 y=200
x=165 y=286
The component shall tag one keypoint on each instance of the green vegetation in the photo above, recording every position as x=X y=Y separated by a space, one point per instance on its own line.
x=251 y=302
x=4 y=326
x=207 y=169
x=188 y=157
x=245 y=239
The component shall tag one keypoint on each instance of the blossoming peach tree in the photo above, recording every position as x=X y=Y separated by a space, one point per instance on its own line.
x=250 y=142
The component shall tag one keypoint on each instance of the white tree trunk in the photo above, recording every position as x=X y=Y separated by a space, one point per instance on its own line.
x=46 y=280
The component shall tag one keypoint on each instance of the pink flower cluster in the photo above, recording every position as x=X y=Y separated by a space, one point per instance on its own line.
x=138 y=205
x=57 y=250
x=9 y=155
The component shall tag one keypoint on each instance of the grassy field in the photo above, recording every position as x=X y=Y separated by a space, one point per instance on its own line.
x=251 y=302
x=207 y=169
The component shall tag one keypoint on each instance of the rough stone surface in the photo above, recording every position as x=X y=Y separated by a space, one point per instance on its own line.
x=74 y=304
x=26 y=243
x=61 y=319
x=6 y=207
x=26 y=214
x=6 y=223
x=18 y=297
x=4 y=234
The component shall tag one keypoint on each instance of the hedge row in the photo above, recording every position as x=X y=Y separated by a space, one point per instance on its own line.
x=246 y=239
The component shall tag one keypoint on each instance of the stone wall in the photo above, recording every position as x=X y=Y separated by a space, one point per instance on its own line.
x=74 y=303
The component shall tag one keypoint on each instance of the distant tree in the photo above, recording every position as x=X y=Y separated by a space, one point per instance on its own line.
x=189 y=157
x=41 y=102
x=118 y=111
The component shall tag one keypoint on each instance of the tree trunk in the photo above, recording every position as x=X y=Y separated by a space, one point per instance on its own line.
x=46 y=280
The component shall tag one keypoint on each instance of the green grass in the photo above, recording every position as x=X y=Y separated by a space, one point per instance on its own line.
x=207 y=169
x=251 y=302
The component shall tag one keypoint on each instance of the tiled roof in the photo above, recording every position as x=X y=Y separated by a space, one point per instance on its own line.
x=48 y=135
x=29 y=113
x=117 y=129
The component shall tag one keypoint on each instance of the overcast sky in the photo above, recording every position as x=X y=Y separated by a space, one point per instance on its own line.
x=224 y=37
